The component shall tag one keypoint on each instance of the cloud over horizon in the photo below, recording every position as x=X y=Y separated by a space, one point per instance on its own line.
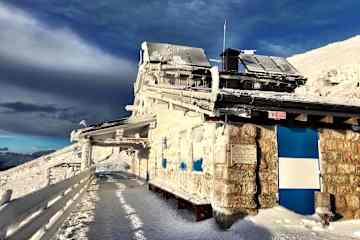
x=51 y=78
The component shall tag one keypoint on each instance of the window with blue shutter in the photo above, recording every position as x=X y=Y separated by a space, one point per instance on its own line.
x=183 y=166
x=198 y=165
x=164 y=163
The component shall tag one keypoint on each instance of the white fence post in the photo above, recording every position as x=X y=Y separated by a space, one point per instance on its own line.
x=5 y=197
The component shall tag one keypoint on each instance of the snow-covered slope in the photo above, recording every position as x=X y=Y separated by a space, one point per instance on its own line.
x=332 y=70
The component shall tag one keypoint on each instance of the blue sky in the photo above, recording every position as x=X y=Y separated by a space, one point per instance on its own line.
x=23 y=143
x=62 y=61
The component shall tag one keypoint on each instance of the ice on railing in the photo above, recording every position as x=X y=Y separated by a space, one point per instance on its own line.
x=34 y=175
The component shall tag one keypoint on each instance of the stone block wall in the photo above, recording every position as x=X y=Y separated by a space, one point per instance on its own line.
x=340 y=168
x=268 y=166
x=246 y=180
x=36 y=174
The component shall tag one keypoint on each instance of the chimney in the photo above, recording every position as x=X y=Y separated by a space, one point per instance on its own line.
x=230 y=59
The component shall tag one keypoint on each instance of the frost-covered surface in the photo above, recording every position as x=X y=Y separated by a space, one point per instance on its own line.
x=280 y=220
x=335 y=64
x=341 y=82
x=293 y=97
x=76 y=226
x=125 y=209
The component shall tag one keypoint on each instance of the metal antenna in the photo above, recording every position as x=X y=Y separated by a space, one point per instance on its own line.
x=224 y=40
x=224 y=44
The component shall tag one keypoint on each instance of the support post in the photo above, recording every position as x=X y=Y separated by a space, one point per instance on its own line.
x=215 y=82
x=86 y=150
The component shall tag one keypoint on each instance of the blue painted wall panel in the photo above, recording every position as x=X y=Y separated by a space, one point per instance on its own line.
x=298 y=200
x=295 y=143
x=198 y=165
x=298 y=142
x=183 y=166
x=164 y=162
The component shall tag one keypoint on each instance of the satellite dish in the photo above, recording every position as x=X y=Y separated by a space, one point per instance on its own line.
x=83 y=123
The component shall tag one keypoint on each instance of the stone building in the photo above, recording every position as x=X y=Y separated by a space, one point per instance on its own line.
x=237 y=138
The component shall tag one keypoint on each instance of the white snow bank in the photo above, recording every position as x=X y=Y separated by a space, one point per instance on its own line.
x=277 y=218
x=332 y=70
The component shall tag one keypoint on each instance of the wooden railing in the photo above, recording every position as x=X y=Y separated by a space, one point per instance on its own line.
x=39 y=215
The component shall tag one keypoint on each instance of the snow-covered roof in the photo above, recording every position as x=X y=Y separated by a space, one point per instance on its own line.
x=175 y=54
x=284 y=96
x=289 y=102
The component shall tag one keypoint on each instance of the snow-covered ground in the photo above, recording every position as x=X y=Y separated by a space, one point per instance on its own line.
x=76 y=226
x=279 y=220
x=120 y=208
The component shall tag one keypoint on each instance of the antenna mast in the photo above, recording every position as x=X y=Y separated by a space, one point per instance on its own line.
x=224 y=44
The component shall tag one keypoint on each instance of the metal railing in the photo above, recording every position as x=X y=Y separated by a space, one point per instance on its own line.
x=38 y=215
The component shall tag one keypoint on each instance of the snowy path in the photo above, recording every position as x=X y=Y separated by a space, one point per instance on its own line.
x=125 y=209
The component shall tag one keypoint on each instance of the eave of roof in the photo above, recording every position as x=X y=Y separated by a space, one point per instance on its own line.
x=287 y=101
x=126 y=123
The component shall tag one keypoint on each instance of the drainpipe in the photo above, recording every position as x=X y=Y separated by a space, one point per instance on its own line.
x=215 y=83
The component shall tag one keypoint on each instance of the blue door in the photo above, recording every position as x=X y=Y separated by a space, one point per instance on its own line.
x=298 y=168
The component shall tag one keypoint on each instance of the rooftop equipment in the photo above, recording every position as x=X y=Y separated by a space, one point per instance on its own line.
x=230 y=60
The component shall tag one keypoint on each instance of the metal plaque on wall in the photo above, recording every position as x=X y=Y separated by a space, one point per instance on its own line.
x=243 y=154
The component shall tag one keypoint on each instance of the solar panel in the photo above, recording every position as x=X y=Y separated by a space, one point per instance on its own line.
x=269 y=64
x=285 y=66
x=176 y=54
x=251 y=63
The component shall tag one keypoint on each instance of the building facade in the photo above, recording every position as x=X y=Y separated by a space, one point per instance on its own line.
x=235 y=138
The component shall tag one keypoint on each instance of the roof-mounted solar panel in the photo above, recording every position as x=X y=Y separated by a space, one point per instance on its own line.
x=251 y=63
x=268 y=64
x=285 y=66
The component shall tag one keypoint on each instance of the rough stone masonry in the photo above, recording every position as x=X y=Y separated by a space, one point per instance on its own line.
x=340 y=169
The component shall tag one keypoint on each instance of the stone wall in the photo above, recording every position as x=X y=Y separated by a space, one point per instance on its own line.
x=340 y=168
x=38 y=173
x=268 y=166
x=246 y=176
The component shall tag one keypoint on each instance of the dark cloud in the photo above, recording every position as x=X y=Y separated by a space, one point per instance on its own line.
x=105 y=88
x=21 y=107
x=45 y=111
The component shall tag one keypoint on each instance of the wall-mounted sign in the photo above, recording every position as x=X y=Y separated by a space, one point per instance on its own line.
x=243 y=154
x=277 y=115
